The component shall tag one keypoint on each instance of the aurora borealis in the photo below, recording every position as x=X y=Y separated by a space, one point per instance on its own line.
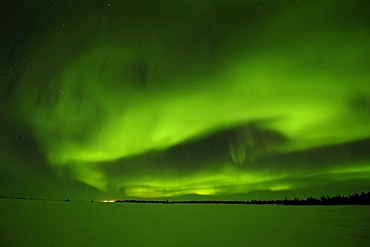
x=157 y=99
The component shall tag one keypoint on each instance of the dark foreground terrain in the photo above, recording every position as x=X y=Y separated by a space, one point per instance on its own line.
x=58 y=223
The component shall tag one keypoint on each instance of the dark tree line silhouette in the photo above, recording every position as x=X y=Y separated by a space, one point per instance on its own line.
x=21 y=198
x=355 y=199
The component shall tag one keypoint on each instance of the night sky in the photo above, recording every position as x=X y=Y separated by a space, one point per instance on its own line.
x=184 y=99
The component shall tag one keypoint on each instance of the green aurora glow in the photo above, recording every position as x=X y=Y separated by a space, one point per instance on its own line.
x=153 y=99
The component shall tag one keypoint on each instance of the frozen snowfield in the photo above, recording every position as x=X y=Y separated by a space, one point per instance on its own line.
x=52 y=223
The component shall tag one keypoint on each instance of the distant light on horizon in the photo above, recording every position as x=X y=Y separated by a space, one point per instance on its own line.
x=108 y=200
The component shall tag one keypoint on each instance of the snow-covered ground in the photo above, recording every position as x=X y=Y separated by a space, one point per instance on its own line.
x=52 y=223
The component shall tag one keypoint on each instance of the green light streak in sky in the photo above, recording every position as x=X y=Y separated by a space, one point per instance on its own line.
x=127 y=84
x=224 y=181
x=203 y=183
x=304 y=103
